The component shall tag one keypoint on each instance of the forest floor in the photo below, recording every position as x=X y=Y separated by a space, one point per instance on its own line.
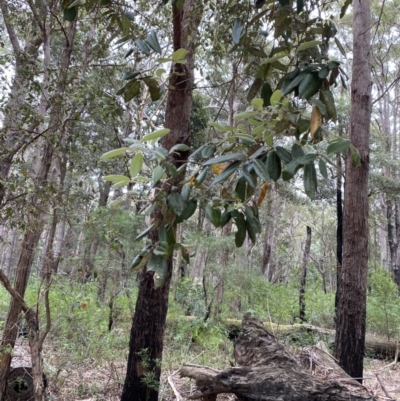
x=91 y=381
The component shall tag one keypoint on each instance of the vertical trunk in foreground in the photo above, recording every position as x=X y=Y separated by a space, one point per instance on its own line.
x=303 y=278
x=339 y=236
x=350 y=333
x=147 y=333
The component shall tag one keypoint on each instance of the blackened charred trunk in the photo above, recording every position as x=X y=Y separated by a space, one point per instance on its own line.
x=350 y=333
x=339 y=235
x=303 y=278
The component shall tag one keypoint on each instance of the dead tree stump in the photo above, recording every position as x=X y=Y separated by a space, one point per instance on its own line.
x=266 y=371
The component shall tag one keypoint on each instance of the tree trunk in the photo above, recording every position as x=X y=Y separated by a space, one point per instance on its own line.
x=350 y=336
x=12 y=234
x=223 y=262
x=147 y=333
x=274 y=207
x=36 y=218
x=12 y=136
x=303 y=277
x=339 y=236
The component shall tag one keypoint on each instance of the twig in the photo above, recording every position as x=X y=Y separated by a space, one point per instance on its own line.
x=171 y=383
x=383 y=387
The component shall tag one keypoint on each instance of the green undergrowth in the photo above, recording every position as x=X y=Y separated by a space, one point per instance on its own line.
x=80 y=320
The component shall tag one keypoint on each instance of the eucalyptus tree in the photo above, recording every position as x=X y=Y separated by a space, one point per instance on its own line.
x=351 y=324
x=291 y=59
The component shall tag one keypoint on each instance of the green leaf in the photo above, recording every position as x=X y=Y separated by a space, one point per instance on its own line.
x=179 y=54
x=130 y=15
x=226 y=173
x=320 y=105
x=143 y=46
x=257 y=103
x=154 y=89
x=246 y=114
x=310 y=85
x=297 y=151
x=180 y=147
x=116 y=178
x=219 y=127
x=152 y=41
x=201 y=176
x=125 y=24
x=207 y=151
x=136 y=164
x=129 y=52
x=307 y=159
x=344 y=8
x=250 y=178
x=185 y=192
x=113 y=153
x=156 y=176
x=310 y=180
x=132 y=89
x=326 y=97
x=141 y=259
x=69 y=14
x=293 y=83
x=176 y=203
x=213 y=214
x=274 y=165
x=338 y=145
x=340 y=47
x=241 y=189
x=266 y=93
x=237 y=31
x=120 y=184
x=76 y=3
x=283 y=154
x=322 y=168
x=159 y=266
x=274 y=59
x=240 y=234
x=130 y=75
x=261 y=170
x=189 y=210
x=144 y=233
x=308 y=45
x=324 y=72
x=224 y=158
x=276 y=97
x=225 y=217
x=156 y=135
x=290 y=170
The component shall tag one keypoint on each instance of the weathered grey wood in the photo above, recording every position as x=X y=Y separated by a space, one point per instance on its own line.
x=267 y=372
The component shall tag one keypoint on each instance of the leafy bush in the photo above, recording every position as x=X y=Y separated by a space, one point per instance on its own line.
x=383 y=305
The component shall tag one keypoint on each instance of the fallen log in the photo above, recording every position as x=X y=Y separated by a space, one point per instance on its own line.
x=380 y=347
x=266 y=371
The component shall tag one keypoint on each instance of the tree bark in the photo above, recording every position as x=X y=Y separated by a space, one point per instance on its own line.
x=266 y=371
x=303 y=277
x=148 y=325
x=350 y=336
x=36 y=219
